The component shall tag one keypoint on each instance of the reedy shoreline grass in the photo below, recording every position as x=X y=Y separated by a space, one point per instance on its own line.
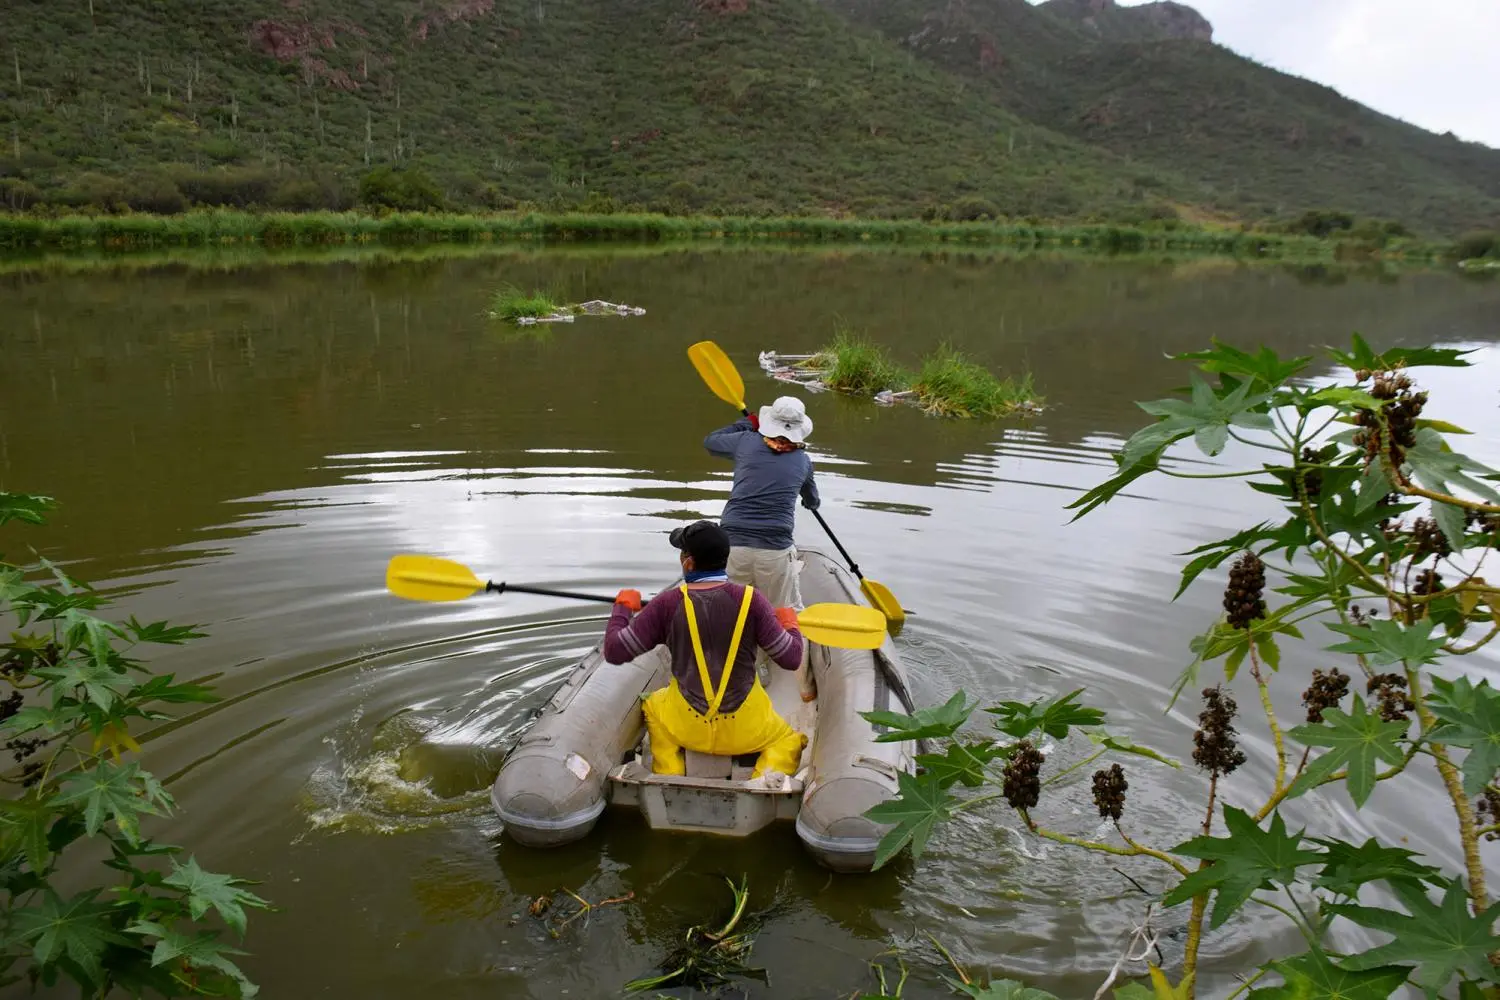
x=222 y=227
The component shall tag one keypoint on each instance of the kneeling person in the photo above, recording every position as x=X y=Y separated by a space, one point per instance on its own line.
x=714 y=703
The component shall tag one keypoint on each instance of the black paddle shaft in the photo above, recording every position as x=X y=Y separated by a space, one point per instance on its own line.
x=853 y=567
x=500 y=588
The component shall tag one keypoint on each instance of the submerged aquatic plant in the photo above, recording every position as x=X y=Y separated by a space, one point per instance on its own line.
x=511 y=303
x=709 y=959
x=950 y=385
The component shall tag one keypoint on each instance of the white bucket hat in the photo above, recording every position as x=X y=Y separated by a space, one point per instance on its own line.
x=787 y=418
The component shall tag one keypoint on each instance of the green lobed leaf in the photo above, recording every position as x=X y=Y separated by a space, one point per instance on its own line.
x=960 y=762
x=94 y=634
x=921 y=802
x=1469 y=717
x=1450 y=520
x=161 y=632
x=1362 y=356
x=119 y=792
x=1313 y=976
x=161 y=688
x=202 y=950
x=1385 y=641
x=1248 y=859
x=1207 y=416
x=206 y=889
x=1355 y=741
x=1020 y=719
x=1373 y=484
x=925 y=723
x=1270 y=653
x=1106 y=491
x=1440 y=468
x=1441 y=940
x=25 y=822
x=1150 y=442
x=1343 y=395
x=52 y=720
x=1265 y=365
x=76 y=929
x=1213 y=554
x=30 y=508
x=100 y=683
x=1348 y=867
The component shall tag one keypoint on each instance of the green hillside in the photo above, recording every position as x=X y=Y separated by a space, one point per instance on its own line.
x=1260 y=143
x=869 y=107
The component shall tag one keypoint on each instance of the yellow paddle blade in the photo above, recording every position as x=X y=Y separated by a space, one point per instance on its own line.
x=843 y=626
x=428 y=578
x=718 y=372
x=884 y=601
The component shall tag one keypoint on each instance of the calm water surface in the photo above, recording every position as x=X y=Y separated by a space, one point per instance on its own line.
x=245 y=446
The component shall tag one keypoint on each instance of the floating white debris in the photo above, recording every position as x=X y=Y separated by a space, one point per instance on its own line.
x=593 y=307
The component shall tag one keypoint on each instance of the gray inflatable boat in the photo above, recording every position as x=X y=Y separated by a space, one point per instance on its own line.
x=586 y=750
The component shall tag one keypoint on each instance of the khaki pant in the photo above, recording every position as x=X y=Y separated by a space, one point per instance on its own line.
x=753 y=727
x=773 y=572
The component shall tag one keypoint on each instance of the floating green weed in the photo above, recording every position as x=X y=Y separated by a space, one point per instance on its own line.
x=855 y=364
x=950 y=385
x=511 y=303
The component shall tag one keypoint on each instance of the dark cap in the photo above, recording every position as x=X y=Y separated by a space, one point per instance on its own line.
x=705 y=541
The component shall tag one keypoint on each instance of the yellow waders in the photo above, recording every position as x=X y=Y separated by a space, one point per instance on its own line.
x=753 y=727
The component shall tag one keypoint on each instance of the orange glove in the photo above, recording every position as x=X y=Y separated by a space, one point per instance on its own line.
x=788 y=618
x=630 y=598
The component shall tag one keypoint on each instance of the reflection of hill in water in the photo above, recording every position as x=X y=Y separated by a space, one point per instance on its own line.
x=171 y=391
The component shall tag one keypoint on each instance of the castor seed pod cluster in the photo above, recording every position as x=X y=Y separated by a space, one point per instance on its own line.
x=1109 y=792
x=1243 y=597
x=1023 y=786
x=1325 y=692
x=1214 y=747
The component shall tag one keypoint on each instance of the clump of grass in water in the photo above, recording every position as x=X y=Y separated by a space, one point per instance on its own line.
x=854 y=364
x=709 y=959
x=950 y=385
x=510 y=303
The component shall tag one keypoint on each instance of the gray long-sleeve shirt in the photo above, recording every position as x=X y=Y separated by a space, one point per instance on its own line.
x=761 y=511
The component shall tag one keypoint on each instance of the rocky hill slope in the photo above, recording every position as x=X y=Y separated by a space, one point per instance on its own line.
x=1074 y=109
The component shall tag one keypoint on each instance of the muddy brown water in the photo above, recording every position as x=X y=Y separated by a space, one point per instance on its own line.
x=244 y=445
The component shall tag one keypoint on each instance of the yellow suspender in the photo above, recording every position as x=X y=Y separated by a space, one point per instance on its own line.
x=714 y=698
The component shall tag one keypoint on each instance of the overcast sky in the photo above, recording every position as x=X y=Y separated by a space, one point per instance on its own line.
x=1435 y=63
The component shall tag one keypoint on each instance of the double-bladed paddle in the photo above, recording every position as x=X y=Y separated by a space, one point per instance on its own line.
x=431 y=578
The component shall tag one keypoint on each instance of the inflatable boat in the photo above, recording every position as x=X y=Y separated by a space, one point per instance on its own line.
x=586 y=750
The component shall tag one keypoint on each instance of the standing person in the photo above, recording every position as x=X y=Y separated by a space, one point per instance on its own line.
x=771 y=468
x=714 y=702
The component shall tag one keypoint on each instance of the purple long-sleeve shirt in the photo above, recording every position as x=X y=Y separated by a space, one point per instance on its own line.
x=716 y=610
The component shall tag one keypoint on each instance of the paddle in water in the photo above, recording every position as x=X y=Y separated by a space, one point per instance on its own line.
x=431 y=578
x=723 y=379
